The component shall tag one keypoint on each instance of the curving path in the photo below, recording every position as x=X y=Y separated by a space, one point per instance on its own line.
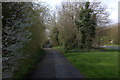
x=55 y=65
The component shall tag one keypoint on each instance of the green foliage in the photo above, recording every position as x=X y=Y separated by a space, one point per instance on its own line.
x=68 y=36
x=86 y=25
x=14 y=21
x=54 y=37
x=95 y=64
x=71 y=43
x=111 y=44
x=59 y=48
x=23 y=35
x=32 y=50
x=27 y=64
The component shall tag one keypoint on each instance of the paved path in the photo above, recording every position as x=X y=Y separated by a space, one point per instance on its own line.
x=111 y=47
x=55 y=65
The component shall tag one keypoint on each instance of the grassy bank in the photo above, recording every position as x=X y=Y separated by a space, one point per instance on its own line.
x=99 y=63
x=95 y=64
x=27 y=64
x=100 y=49
x=111 y=44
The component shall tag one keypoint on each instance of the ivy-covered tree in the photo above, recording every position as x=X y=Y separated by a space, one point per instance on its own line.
x=86 y=25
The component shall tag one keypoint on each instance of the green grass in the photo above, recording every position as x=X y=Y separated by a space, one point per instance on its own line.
x=27 y=64
x=111 y=44
x=105 y=49
x=95 y=64
x=85 y=50
x=59 y=48
x=98 y=63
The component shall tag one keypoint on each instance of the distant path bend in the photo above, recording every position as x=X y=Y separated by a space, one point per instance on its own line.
x=55 y=65
x=111 y=47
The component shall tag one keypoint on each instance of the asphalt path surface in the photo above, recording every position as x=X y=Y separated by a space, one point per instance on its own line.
x=55 y=65
x=111 y=47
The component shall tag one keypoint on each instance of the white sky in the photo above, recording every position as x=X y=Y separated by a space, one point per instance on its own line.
x=112 y=7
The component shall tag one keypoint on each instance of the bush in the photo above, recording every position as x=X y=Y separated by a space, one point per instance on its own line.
x=27 y=64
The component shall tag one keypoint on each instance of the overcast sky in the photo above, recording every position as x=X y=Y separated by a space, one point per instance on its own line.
x=112 y=7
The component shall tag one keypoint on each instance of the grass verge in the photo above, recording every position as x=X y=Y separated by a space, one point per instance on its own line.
x=95 y=64
x=111 y=44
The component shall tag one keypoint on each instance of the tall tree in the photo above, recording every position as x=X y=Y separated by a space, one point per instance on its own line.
x=54 y=36
x=68 y=33
x=86 y=25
